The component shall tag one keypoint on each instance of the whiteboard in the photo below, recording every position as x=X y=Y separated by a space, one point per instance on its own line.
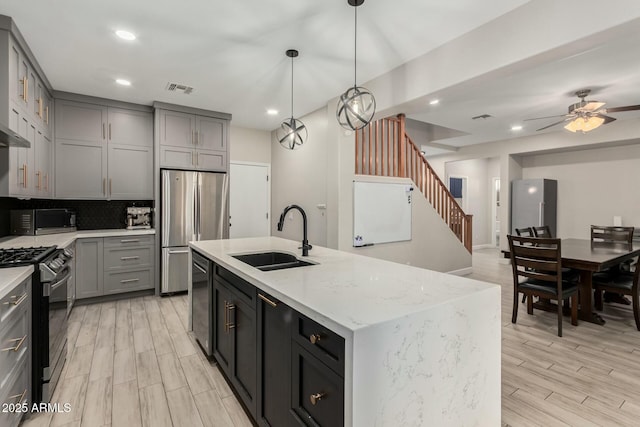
x=381 y=212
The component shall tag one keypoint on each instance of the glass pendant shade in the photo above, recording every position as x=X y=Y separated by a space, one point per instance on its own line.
x=292 y=133
x=357 y=106
x=584 y=124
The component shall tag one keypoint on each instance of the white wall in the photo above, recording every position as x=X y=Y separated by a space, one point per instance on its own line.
x=250 y=145
x=300 y=177
x=593 y=186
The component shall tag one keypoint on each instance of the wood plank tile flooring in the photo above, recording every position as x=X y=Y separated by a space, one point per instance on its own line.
x=132 y=363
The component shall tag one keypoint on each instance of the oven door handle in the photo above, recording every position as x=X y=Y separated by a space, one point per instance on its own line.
x=48 y=288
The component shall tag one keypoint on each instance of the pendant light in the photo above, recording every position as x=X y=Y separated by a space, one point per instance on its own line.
x=357 y=105
x=292 y=133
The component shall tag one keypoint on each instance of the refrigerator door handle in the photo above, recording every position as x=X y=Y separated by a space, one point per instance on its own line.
x=166 y=218
x=195 y=207
x=540 y=214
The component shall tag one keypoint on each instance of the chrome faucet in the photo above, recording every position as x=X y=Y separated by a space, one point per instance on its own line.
x=305 y=243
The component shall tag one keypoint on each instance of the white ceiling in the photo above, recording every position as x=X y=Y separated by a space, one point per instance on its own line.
x=232 y=53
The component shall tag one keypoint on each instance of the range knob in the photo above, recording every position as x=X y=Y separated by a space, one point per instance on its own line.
x=68 y=252
x=55 y=264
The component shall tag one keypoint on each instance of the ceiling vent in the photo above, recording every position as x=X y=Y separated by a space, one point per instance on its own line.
x=482 y=116
x=177 y=87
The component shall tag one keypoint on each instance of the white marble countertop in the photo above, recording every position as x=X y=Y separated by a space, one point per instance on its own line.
x=344 y=290
x=10 y=277
x=62 y=240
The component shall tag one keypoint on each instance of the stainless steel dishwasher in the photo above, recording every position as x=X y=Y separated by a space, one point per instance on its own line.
x=202 y=289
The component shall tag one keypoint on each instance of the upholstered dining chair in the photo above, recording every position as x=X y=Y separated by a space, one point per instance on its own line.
x=624 y=284
x=537 y=270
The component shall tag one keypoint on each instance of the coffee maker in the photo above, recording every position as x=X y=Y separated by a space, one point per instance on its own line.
x=138 y=218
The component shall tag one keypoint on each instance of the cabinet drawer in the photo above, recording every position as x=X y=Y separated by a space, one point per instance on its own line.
x=13 y=302
x=118 y=258
x=317 y=396
x=14 y=343
x=245 y=290
x=126 y=241
x=126 y=281
x=323 y=343
x=16 y=392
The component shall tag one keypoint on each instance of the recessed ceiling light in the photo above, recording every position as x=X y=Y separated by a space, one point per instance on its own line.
x=434 y=102
x=272 y=112
x=125 y=35
x=516 y=127
x=123 y=82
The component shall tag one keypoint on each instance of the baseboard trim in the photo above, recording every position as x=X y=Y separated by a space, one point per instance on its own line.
x=461 y=272
x=484 y=246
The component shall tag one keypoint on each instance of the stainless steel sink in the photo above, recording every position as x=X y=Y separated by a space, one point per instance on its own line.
x=268 y=261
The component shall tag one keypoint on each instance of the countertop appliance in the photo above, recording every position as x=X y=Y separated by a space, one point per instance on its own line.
x=194 y=207
x=49 y=312
x=534 y=203
x=35 y=222
x=138 y=218
x=202 y=292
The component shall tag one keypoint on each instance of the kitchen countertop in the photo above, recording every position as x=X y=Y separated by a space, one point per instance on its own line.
x=62 y=240
x=346 y=289
x=421 y=347
x=10 y=277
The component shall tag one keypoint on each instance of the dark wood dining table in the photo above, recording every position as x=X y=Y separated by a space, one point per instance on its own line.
x=588 y=258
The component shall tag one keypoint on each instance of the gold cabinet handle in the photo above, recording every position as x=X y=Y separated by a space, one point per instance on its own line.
x=26 y=90
x=38 y=185
x=104 y=186
x=17 y=398
x=103 y=132
x=46 y=182
x=17 y=347
x=267 y=300
x=110 y=187
x=317 y=397
x=39 y=110
x=46 y=115
x=129 y=280
x=315 y=338
x=109 y=131
x=127 y=258
x=18 y=300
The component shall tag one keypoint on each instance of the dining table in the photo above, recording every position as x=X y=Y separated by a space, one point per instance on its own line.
x=587 y=257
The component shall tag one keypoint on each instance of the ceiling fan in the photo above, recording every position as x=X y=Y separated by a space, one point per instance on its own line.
x=586 y=115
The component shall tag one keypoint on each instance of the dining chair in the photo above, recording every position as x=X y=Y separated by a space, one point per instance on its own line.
x=624 y=284
x=537 y=271
x=542 y=231
x=609 y=234
x=525 y=232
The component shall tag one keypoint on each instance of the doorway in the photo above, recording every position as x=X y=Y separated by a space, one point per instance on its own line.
x=495 y=211
x=249 y=199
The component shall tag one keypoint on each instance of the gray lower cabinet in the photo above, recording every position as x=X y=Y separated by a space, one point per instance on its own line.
x=287 y=369
x=15 y=357
x=103 y=152
x=114 y=265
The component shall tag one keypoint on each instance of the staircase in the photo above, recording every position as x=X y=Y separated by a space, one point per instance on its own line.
x=384 y=149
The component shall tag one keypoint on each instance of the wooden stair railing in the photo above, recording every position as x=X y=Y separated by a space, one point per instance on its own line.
x=384 y=149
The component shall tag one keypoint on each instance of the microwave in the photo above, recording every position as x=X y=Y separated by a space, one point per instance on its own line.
x=36 y=222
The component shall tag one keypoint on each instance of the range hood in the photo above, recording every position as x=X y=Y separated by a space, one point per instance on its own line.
x=9 y=138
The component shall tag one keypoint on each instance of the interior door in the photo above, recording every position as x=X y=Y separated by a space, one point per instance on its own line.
x=249 y=200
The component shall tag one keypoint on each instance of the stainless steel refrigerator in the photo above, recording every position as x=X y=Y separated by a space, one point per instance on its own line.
x=194 y=207
x=534 y=203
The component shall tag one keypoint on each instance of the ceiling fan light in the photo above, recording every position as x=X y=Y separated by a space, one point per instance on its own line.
x=584 y=124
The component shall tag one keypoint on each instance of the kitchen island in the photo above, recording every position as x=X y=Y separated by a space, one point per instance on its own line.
x=420 y=347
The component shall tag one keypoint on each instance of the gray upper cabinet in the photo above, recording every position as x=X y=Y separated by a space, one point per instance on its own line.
x=103 y=152
x=192 y=141
x=25 y=112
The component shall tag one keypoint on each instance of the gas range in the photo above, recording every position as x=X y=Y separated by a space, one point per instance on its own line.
x=24 y=256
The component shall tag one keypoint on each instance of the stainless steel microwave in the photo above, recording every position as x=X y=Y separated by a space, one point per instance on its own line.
x=35 y=222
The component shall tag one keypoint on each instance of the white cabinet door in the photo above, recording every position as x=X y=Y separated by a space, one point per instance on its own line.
x=129 y=127
x=130 y=172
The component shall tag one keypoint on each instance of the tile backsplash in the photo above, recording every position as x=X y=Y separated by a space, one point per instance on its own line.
x=91 y=214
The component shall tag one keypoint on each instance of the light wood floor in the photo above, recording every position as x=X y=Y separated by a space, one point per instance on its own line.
x=132 y=363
